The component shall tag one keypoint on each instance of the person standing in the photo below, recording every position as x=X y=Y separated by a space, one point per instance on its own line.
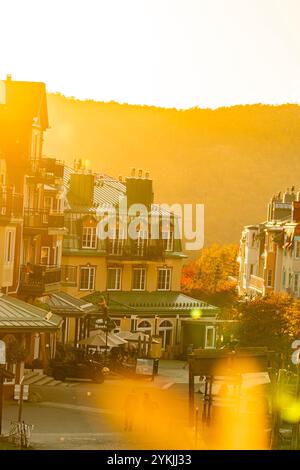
x=189 y=350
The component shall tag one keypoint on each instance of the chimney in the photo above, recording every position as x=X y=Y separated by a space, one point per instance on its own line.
x=8 y=77
x=139 y=190
x=81 y=190
x=296 y=211
x=140 y=173
x=133 y=172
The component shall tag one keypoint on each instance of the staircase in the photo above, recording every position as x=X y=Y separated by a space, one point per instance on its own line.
x=37 y=377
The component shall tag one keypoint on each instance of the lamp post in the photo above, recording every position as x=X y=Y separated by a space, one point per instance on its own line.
x=104 y=309
x=155 y=326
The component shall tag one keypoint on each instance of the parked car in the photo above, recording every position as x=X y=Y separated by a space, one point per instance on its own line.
x=85 y=369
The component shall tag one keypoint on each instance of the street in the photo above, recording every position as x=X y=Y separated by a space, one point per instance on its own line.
x=85 y=415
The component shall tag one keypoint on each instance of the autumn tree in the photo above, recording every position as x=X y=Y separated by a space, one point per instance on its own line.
x=212 y=275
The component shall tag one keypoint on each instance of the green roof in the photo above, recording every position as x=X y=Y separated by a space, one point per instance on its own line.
x=152 y=302
x=17 y=315
x=64 y=304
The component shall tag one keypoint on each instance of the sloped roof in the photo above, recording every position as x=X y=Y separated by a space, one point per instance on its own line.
x=107 y=192
x=155 y=302
x=64 y=304
x=17 y=315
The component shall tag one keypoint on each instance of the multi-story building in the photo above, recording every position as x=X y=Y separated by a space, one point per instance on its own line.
x=31 y=189
x=139 y=278
x=270 y=251
x=49 y=212
x=31 y=213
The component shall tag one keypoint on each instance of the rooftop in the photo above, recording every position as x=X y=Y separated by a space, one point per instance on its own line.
x=64 y=304
x=17 y=315
x=152 y=302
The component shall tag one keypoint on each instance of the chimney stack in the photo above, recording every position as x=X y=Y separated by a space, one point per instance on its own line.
x=296 y=211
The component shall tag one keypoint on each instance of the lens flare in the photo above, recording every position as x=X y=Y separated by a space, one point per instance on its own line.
x=196 y=313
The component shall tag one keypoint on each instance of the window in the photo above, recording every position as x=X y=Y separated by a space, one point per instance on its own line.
x=290 y=280
x=89 y=239
x=164 y=279
x=116 y=244
x=296 y=282
x=45 y=255
x=251 y=269
x=139 y=279
x=297 y=249
x=210 y=334
x=9 y=254
x=269 y=278
x=253 y=237
x=114 y=278
x=69 y=275
x=145 y=325
x=271 y=244
x=168 y=238
x=48 y=204
x=283 y=278
x=87 y=278
x=141 y=242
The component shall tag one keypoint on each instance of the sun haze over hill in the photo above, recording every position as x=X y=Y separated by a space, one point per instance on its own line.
x=230 y=159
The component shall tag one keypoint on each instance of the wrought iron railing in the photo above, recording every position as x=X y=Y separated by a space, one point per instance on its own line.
x=11 y=204
x=43 y=218
x=39 y=278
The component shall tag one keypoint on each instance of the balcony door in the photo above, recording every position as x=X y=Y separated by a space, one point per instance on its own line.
x=45 y=255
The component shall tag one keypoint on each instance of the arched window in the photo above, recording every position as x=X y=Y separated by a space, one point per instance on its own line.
x=144 y=325
x=165 y=332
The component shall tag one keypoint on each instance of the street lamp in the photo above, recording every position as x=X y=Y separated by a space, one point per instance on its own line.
x=155 y=326
x=104 y=310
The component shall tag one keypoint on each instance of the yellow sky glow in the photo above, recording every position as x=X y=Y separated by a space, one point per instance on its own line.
x=174 y=53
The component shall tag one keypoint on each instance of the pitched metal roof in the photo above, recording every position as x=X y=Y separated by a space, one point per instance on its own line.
x=152 y=302
x=15 y=314
x=67 y=305
x=107 y=192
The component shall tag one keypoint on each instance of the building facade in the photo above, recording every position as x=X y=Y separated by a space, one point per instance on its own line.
x=269 y=255
x=139 y=278
x=51 y=254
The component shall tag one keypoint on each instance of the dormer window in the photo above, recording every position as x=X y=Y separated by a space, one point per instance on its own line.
x=89 y=238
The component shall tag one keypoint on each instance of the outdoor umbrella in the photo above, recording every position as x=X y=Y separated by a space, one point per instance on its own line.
x=100 y=339
x=135 y=336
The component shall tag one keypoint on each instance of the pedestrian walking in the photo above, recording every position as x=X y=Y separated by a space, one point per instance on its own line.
x=130 y=411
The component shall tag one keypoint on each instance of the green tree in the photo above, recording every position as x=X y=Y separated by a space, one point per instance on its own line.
x=272 y=321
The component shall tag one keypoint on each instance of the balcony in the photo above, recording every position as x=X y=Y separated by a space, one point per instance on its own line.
x=53 y=166
x=47 y=170
x=257 y=283
x=37 y=280
x=134 y=250
x=11 y=206
x=35 y=218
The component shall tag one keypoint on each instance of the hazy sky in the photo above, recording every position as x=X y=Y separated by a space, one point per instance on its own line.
x=175 y=53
